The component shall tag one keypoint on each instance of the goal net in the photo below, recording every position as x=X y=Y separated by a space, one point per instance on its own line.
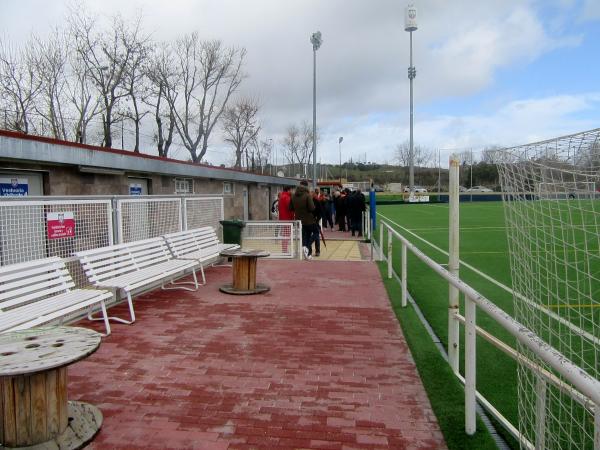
x=552 y=212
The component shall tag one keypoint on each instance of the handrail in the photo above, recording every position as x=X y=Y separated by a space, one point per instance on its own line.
x=585 y=383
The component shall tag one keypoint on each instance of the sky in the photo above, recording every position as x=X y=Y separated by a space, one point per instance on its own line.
x=489 y=72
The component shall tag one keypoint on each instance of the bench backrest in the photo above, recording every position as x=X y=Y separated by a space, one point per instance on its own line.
x=27 y=282
x=109 y=262
x=185 y=242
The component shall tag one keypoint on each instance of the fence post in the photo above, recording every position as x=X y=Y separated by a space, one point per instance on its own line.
x=597 y=428
x=453 y=265
x=300 y=250
x=184 y=205
x=540 y=412
x=470 y=366
x=118 y=221
x=389 y=257
x=381 y=241
x=404 y=279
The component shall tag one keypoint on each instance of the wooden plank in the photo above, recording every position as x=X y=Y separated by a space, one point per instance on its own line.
x=39 y=431
x=9 y=413
x=61 y=397
x=23 y=410
x=2 y=418
x=251 y=273
x=52 y=402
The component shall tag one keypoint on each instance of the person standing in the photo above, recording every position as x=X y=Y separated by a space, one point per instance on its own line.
x=304 y=207
x=340 y=211
x=284 y=201
x=318 y=213
x=327 y=207
x=356 y=207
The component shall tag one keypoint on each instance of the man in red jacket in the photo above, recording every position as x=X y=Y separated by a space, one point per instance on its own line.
x=285 y=213
x=284 y=200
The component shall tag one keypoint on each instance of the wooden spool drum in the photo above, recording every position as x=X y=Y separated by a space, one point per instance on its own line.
x=34 y=407
x=33 y=389
x=244 y=272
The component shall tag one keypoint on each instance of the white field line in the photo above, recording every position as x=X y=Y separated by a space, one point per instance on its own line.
x=550 y=313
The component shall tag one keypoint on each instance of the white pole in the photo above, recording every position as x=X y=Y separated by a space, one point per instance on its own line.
x=540 y=412
x=300 y=252
x=404 y=279
x=411 y=168
x=381 y=240
x=389 y=257
x=453 y=265
x=470 y=366
x=597 y=428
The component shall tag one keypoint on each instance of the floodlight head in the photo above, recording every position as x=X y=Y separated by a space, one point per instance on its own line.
x=316 y=40
x=340 y=139
x=410 y=18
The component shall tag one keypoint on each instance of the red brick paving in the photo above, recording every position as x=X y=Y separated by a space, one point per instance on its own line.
x=317 y=363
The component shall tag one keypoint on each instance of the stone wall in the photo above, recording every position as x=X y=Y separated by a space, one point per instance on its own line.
x=67 y=181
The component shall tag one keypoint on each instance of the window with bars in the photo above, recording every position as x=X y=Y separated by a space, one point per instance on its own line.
x=228 y=188
x=184 y=186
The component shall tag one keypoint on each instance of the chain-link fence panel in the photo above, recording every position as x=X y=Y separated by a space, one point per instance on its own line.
x=145 y=218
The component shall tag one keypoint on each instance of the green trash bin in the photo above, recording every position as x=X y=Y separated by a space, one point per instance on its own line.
x=232 y=231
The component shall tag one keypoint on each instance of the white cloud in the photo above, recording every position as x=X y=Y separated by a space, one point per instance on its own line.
x=591 y=10
x=362 y=82
x=518 y=122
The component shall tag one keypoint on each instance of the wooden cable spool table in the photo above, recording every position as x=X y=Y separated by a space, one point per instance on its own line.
x=34 y=410
x=244 y=272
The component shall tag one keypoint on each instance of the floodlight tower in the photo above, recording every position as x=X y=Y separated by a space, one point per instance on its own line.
x=316 y=40
x=340 y=144
x=410 y=25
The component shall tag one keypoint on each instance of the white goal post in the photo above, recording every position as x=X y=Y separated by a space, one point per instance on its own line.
x=552 y=211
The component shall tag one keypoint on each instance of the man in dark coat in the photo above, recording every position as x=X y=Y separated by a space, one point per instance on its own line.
x=340 y=211
x=304 y=208
x=356 y=207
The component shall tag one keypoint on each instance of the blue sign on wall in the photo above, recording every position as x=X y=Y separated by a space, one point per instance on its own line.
x=14 y=187
x=135 y=189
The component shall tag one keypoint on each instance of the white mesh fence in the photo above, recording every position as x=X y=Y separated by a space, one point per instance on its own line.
x=145 y=218
x=202 y=212
x=279 y=238
x=553 y=221
x=28 y=230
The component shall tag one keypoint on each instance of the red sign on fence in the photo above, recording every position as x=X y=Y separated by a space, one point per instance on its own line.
x=60 y=225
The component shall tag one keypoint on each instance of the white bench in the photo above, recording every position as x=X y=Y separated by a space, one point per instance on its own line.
x=38 y=292
x=134 y=266
x=198 y=244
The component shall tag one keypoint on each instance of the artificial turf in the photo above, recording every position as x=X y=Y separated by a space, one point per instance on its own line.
x=445 y=392
x=483 y=245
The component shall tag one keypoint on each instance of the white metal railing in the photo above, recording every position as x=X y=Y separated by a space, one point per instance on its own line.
x=583 y=388
x=281 y=238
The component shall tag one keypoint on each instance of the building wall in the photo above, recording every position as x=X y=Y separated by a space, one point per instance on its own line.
x=66 y=180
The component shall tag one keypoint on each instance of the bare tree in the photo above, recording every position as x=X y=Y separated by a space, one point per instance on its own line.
x=134 y=84
x=241 y=126
x=306 y=145
x=162 y=82
x=20 y=85
x=50 y=58
x=291 y=144
x=208 y=74
x=107 y=55
x=83 y=97
x=261 y=152
x=422 y=157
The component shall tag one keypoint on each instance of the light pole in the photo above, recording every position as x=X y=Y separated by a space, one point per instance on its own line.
x=341 y=138
x=316 y=41
x=410 y=25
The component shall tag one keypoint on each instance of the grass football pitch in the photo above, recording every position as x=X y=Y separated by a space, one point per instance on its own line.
x=485 y=265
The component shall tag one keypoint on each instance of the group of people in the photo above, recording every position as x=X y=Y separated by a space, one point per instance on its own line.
x=315 y=209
